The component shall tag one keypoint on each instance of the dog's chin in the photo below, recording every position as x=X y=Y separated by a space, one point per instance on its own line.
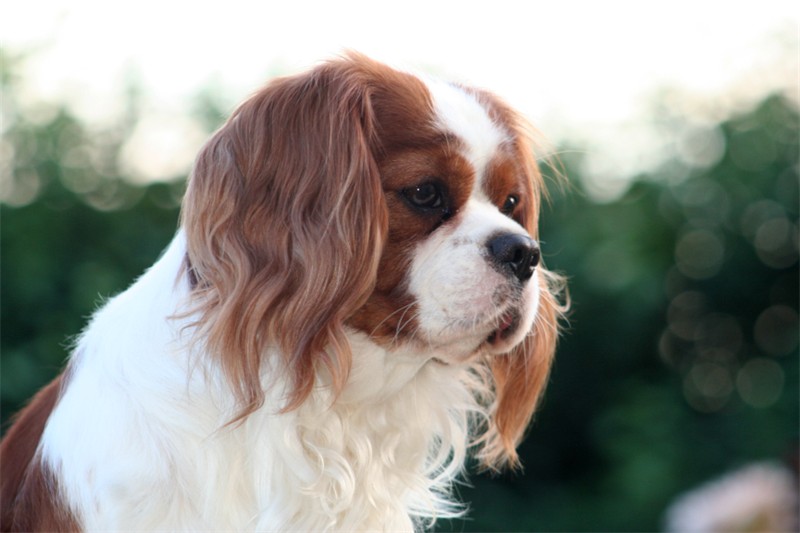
x=493 y=336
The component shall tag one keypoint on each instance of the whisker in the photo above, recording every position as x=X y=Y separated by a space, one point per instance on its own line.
x=403 y=310
x=401 y=325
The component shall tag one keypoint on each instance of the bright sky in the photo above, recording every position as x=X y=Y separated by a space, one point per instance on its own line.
x=579 y=68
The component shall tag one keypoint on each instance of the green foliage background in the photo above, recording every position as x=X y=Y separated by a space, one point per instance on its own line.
x=680 y=361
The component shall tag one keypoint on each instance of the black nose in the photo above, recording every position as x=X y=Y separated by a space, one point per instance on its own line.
x=516 y=253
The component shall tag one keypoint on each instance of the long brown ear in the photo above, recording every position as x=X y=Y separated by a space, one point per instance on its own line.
x=285 y=222
x=520 y=376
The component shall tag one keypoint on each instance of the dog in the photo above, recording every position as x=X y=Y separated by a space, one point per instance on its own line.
x=354 y=303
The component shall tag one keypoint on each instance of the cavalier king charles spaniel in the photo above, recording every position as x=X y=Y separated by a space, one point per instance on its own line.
x=354 y=303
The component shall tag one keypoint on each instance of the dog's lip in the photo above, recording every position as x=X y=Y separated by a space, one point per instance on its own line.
x=506 y=325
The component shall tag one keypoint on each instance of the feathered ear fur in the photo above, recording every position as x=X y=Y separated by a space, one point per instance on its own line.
x=285 y=208
x=520 y=376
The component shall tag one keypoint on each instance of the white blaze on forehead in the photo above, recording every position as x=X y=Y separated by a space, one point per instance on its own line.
x=460 y=113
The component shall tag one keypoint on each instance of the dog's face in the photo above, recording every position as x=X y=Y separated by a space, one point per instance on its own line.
x=358 y=197
x=457 y=275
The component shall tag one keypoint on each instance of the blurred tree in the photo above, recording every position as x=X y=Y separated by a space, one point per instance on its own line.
x=72 y=231
x=681 y=357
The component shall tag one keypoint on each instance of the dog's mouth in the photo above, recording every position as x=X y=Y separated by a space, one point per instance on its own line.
x=507 y=325
x=499 y=340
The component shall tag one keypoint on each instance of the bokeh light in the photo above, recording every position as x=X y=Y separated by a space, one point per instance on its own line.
x=699 y=254
x=760 y=382
x=776 y=330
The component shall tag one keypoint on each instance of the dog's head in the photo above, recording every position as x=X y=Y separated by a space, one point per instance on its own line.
x=359 y=197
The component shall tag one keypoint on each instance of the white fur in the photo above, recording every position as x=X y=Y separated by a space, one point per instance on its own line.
x=139 y=439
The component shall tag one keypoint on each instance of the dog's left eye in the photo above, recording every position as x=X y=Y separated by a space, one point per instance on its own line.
x=426 y=196
x=510 y=205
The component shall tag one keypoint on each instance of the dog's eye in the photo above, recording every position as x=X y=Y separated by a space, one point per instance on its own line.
x=425 y=196
x=510 y=205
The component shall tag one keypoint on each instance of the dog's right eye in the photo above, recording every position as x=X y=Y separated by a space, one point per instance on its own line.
x=425 y=196
x=510 y=205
